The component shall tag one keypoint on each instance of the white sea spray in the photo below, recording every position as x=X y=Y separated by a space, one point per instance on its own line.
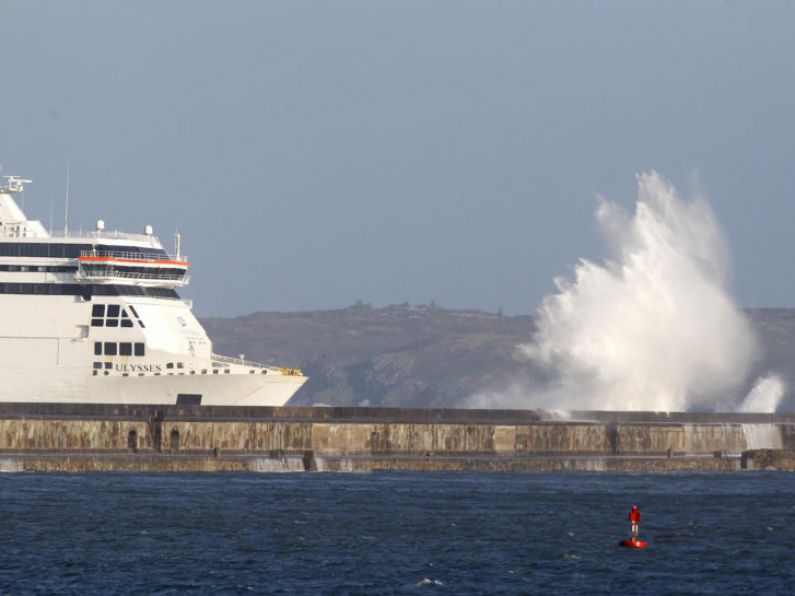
x=766 y=394
x=651 y=327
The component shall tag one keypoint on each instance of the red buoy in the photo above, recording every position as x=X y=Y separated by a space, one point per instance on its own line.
x=634 y=520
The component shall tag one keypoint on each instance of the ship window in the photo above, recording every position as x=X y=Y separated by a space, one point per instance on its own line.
x=180 y=365
x=215 y=372
x=133 y=311
x=125 y=349
x=97 y=348
x=108 y=365
x=141 y=323
x=95 y=372
x=97 y=365
x=170 y=365
x=140 y=350
x=110 y=348
x=109 y=315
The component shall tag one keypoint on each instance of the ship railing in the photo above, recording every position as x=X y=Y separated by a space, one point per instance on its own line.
x=154 y=276
x=178 y=261
x=219 y=361
x=104 y=234
x=239 y=361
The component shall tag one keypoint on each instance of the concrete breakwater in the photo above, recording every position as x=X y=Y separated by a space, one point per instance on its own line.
x=73 y=437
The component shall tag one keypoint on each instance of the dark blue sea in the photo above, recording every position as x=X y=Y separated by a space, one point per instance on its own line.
x=405 y=533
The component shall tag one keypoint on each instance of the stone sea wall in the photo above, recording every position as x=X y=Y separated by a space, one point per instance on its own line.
x=62 y=438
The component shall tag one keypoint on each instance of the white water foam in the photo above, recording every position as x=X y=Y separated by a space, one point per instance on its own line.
x=344 y=464
x=426 y=581
x=762 y=436
x=278 y=465
x=651 y=328
x=9 y=465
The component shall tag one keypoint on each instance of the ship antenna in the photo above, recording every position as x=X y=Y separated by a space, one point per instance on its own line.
x=66 y=204
x=52 y=207
x=178 y=243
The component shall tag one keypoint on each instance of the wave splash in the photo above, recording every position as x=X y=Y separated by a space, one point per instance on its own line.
x=653 y=327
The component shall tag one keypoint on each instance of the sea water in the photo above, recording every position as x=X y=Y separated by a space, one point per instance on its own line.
x=381 y=533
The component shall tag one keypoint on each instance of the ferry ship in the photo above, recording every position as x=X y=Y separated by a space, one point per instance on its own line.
x=96 y=318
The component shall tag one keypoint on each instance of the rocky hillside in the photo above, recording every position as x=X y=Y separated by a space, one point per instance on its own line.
x=421 y=356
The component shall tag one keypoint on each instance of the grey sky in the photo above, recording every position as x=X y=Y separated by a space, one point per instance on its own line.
x=316 y=153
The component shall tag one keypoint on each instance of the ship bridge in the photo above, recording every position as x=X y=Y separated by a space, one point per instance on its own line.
x=100 y=265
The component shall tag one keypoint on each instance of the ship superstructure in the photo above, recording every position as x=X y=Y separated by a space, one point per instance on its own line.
x=96 y=318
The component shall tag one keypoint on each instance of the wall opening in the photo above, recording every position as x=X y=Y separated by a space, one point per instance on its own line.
x=156 y=428
x=174 y=440
x=132 y=440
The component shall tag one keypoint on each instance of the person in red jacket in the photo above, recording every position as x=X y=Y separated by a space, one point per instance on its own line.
x=634 y=520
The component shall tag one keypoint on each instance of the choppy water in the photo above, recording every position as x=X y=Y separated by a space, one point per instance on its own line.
x=396 y=533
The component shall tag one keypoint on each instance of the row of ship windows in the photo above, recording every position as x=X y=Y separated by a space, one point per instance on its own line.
x=108 y=366
x=112 y=323
x=170 y=365
x=99 y=269
x=113 y=315
x=111 y=348
x=109 y=270
x=41 y=268
x=68 y=251
x=87 y=290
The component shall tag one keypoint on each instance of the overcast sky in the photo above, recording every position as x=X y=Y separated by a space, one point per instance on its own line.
x=318 y=153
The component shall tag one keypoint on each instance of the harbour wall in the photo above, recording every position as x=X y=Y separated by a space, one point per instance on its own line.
x=72 y=437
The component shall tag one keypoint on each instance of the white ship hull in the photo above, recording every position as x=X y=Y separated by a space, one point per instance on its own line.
x=79 y=387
